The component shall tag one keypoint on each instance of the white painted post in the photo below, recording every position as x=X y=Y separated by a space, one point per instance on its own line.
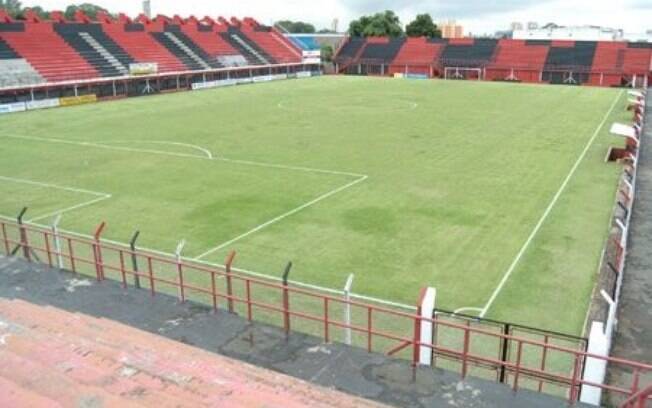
x=427 y=330
x=611 y=317
x=177 y=253
x=347 y=309
x=57 y=241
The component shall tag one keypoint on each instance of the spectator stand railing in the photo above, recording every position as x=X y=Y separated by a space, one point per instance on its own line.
x=377 y=328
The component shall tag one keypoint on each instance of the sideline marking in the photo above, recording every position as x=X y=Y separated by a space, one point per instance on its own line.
x=282 y=216
x=208 y=156
x=410 y=106
x=549 y=209
x=183 y=155
x=100 y=196
x=207 y=152
x=468 y=309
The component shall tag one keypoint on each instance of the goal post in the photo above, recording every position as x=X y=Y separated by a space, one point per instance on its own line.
x=463 y=73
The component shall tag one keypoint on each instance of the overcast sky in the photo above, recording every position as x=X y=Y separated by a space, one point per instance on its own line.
x=477 y=16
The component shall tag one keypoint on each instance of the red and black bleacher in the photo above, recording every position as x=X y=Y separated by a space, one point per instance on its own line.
x=61 y=50
x=557 y=62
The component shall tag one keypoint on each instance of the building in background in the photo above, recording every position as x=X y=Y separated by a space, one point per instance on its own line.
x=147 y=8
x=573 y=33
x=450 y=29
x=516 y=26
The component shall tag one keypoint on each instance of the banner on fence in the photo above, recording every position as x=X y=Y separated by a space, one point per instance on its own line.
x=13 y=107
x=42 y=104
x=304 y=74
x=77 y=100
x=143 y=68
x=214 y=84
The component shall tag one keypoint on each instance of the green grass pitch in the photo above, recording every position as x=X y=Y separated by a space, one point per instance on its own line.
x=403 y=183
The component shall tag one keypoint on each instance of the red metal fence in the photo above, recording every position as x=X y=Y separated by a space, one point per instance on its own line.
x=537 y=364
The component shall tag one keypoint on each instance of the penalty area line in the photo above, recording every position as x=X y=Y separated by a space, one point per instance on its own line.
x=282 y=217
x=549 y=209
x=99 y=196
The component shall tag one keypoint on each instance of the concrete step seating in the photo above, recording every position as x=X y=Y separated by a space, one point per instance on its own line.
x=54 y=358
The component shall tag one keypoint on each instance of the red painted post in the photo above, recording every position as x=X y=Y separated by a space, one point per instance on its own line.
x=248 y=294
x=122 y=269
x=97 y=251
x=47 y=247
x=519 y=354
x=326 y=338
x=72 y=256
x=465 y=351
x=151 y=275
x=575 y=381
x=546 y=339
x=5 y=239
x=229 y=285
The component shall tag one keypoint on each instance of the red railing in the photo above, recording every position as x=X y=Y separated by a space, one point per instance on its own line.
x=639 y=399
x=256 y=297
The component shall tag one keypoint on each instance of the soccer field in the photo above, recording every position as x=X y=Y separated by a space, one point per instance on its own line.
x=496 y=194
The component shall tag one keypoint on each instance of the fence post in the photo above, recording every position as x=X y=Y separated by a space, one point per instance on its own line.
x=97 y=252
x=347 y=310
x=505 y=353
x=177 y=253
x=5 y=238
x=57 y=241
x=134 y=259
x=229 y=283
x=24 y=244
x=286 y=298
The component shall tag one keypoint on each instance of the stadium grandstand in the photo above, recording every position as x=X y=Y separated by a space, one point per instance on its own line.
x=604 y=63
x=279 y=237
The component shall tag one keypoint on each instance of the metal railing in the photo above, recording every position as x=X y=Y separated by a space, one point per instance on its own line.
x=376 y=328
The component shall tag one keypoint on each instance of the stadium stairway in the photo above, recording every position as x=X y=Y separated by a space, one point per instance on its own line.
x=272 y=43
x=15 y=70
x=51 y=357
x=185 y=54
x=142 y=47
x=208 y=38
x=254 y=54
x=96 y=48
x=48 y=53
x=609 y=60
x=56 y=356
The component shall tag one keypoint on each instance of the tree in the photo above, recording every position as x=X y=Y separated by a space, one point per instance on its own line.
x=13 y=7
x=88 y=8
x=38 y=10
x=385 y=24
x=327 y=53
x=423 y=26
x=296 y=27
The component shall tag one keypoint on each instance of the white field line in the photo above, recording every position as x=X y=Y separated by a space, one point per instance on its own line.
x=411 y=106
x=71 y=208
x=336 y=292
x=468 y=309
x=99 y=196
x=282 y=217
x=548 y=210
x=183 y=155
x=205 y=151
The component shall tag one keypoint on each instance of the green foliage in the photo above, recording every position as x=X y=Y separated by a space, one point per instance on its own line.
x=296 y=27
x=327 y=53
x=88 y=8
x=423 y=26
x=386 y=24
x=13 y=7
